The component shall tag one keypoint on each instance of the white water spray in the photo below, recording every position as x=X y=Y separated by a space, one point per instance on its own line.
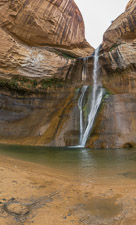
x=97 y=94
x=80 y=106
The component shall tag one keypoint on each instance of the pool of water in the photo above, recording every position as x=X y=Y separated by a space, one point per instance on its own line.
x=80 y=163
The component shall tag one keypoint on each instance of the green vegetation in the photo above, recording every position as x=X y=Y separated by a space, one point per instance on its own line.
x=106 y=96
x=66 y=55
x=114 y=46
x=23 y=84
x=53 y=82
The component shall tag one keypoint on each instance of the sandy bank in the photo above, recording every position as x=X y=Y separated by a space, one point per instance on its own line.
x=34 y=194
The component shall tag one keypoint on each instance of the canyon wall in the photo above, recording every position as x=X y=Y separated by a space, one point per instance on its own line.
x=40 y=39
x=40 y=119
x=47 y=22
x=41 y=48
x=115 y=125
x=40 y=42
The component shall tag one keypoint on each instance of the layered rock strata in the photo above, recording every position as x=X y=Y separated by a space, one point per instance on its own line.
x=45 y=23
x=40 y=119
x=40 y=112
x=119 y=41
x=40 y=38
x=115 y=125
x=22 y=60
x=39 y=44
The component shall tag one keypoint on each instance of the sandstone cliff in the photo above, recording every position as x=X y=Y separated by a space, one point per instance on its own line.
x=116 y=123
x=40 y=39
x=130 y=4
x=119 y=48
x=119 y=41
x=47 y=22
x=39 y=44
x=40 y=111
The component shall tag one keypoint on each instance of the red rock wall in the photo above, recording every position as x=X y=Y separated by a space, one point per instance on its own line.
x=122 y=29
x=115 y=125
x=44 y=22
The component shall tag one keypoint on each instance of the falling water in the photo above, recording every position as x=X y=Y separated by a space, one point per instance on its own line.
x=84 y=70
x=97 y=94
x=80 y=106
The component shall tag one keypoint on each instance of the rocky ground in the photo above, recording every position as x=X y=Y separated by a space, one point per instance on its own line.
x=34 y=194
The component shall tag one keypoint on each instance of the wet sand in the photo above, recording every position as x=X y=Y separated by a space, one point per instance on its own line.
x=35 y=194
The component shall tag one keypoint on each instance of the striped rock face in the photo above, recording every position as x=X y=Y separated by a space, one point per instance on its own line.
x=39 y=43
x=34 y=33
x=119 y=42
x=130 y=4
x=122 y=29
x=44 y=22
x=116 y=124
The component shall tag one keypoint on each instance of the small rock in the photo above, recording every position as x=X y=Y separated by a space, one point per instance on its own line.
x=17 y=208
x=12 y=199
x=14 y=181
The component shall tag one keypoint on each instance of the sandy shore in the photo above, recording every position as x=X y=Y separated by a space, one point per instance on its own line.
x=34 y=194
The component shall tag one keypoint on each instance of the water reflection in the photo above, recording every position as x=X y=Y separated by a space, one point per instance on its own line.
x=81 y=163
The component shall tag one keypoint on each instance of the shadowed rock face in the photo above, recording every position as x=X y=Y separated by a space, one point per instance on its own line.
x=115 y=126
x=40 y=119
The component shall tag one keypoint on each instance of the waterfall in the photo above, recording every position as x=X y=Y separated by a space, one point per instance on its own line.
x=96 y=98
x=80 y=106
x=84 y=70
